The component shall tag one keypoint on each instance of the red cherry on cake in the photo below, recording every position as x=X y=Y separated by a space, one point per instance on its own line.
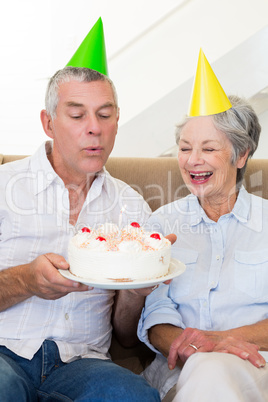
x=155 y=236
x=86 y=230
x=100 y=238
x=135 y=225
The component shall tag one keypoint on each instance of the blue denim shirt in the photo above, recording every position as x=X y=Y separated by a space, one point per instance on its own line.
x=225 y=284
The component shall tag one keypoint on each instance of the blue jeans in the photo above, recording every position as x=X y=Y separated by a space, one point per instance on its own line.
x=47 y=378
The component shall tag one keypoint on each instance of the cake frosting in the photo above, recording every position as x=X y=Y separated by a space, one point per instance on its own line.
x=126 y=254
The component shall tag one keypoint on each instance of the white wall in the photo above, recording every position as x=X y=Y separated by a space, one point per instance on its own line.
x=242 y=71
x=152 y=48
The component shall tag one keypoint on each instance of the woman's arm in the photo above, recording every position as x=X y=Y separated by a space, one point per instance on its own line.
x=178 y=345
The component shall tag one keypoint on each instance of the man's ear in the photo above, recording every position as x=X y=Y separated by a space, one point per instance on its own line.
x=46 y=123
x=117 y=118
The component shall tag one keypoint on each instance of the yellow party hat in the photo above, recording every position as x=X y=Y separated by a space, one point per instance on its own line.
x=208 y=97
x=92 y=52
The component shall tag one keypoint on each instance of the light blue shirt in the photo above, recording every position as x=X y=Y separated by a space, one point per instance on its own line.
x=225 y=284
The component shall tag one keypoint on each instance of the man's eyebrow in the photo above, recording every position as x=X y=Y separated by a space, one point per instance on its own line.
x=74 y=104
x=108 y=104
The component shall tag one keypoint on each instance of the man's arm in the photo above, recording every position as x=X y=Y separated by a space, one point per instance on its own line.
x=126 y=313
x=40 y=278
x=127 y=310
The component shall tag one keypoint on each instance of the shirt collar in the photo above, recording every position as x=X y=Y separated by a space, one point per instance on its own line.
x=46 y=175
x=97 y=185
x=42 y=168
x=196 y=211
x=241 y=209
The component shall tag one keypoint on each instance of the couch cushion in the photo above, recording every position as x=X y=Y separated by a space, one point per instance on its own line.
x=158 y=180
x=11 y=158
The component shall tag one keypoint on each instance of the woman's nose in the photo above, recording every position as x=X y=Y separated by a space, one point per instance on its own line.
x=195 y=157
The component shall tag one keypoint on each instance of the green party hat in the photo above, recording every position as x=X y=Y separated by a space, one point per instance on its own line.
x=92 y=53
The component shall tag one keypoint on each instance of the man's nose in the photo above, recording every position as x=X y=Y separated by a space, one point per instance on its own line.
x=93 y=126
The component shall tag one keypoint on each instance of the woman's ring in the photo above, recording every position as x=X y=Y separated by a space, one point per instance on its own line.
x=193 y=346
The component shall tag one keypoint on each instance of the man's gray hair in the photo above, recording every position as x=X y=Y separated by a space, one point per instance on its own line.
x=241 y=126
x=72 y=74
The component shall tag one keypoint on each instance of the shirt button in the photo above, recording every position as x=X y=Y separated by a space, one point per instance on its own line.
x=205 y=304
x=66 y=316
x=218 y=257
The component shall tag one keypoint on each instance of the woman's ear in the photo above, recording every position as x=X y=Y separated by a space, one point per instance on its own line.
x=242 y=159
x=46 y=123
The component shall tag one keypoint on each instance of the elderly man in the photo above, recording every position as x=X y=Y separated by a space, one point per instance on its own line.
x=55 y=333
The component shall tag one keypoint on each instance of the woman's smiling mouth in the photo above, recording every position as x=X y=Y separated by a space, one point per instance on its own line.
x=200 y=177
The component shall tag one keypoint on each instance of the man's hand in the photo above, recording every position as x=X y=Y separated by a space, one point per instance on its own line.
x=146 y=291
x=38 y=278
x=42 y=278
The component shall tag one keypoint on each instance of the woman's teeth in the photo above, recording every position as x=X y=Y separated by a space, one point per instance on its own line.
x=200 y=176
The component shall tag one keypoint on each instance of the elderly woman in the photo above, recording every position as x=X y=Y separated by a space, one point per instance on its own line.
x=210 y=326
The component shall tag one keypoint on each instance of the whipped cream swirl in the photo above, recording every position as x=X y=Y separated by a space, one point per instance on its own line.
x=130 y=246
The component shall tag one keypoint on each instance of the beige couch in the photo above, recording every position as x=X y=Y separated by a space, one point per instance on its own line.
x=159 y=182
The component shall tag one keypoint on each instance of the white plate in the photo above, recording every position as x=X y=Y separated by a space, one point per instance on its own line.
x=176 y=268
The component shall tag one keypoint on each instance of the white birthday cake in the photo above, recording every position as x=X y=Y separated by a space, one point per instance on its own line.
x=126 y=254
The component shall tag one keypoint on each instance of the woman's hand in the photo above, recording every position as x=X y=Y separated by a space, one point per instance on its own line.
x=146 y=291
x=193 y=340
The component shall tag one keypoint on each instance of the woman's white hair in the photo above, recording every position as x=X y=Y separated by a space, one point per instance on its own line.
x=241 y=126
